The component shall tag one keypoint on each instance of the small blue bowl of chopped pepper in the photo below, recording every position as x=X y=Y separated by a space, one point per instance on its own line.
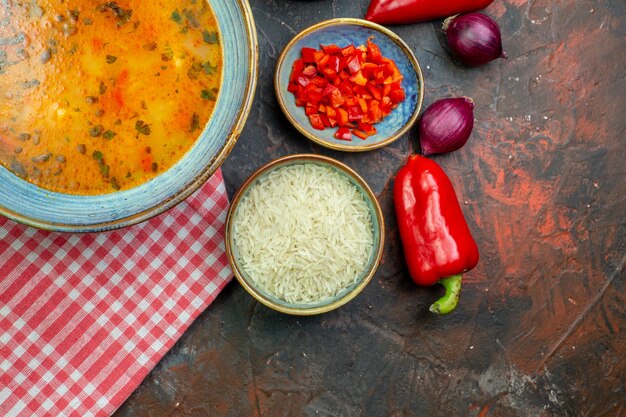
x=349 y=84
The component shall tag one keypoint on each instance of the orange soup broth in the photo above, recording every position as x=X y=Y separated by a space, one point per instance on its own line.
x=101 y=96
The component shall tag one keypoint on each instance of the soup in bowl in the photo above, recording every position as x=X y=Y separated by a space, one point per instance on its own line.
x=98 y=97
x=113 y=111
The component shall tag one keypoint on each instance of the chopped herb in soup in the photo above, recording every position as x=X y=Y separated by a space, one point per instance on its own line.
x=100 y=96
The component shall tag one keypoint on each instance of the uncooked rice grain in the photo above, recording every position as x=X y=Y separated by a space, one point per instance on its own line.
x=303 y=233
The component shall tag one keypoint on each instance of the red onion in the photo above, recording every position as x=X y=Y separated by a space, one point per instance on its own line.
x=446 y=125
x=474 y=38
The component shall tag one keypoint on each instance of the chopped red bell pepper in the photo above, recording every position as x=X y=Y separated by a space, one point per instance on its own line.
x=376 y=91
x=343 y=133
x=354 y=113
x=342 y=116
x=294 y=88
x=333 y=63
x=323 y=61
x=360 y=133
x=350 y=87
x=316 y=121
x=309 y=71
x=373 y=52
x=397 y=96
x=358 y=79
x=330 y=49
x=354 y=64
x=296 y=69
x=325 y=120
x=367 y=127
x=336 y=99
x=310 y=109
x=303 y=81
x=308 y=55
x=348 y=50
x=376 y=115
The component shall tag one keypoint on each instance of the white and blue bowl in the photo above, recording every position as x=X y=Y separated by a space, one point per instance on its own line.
x=344 y=32
x=34 y=206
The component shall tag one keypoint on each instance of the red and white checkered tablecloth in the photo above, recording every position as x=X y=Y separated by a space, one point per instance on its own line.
x=85 y=317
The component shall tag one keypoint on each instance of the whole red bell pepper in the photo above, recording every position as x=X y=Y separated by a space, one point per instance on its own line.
x=438 y=245
x=395 y=12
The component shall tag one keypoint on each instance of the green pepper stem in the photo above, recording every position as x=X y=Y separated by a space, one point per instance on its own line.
x=448 y=302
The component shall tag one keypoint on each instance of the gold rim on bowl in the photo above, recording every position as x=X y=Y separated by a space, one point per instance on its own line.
x=258 y=295
x=358 y=22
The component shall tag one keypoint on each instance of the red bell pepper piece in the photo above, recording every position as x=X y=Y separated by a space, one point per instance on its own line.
x=348 y=50
x=319 y=81
x=308 y=55
x=438 y=245
x=330 y=49
x=346 y=88
x=397 y=96
x=364 y=131
x=323 y=61
x=362 y=104
x=309 y=71
x=373 y=52
x=316 y=121
x=375 y=114
x=325 y=120
x=336 y=99
x=328 y=90
x=358 y=79
x=367 y=128
x=396 y=75
x=294 y=88
x=376 y=91
x=333 y=63
x=385 y=105
x=360 y=134
x=296 y=69
x=354 y=64
x=354 y=113
x=342 y=116
x=303 y=81
x=390 y=12
x=343 y=133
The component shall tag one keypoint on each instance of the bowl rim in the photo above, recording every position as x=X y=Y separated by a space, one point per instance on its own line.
x=187 y=189
x=250 y=288
x=356 y=22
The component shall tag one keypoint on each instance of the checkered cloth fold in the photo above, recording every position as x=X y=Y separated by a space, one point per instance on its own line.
x=85 y=317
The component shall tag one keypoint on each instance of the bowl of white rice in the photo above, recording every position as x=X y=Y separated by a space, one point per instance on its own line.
x=304 y=234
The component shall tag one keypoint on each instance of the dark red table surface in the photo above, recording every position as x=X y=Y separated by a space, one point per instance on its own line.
x=541 y=326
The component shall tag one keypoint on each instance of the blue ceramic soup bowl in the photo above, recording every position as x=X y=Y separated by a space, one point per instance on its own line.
x=34 y=206
x=343 y=32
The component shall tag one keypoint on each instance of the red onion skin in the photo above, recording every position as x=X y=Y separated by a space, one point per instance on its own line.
x=446 y=125
x=474 y=38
